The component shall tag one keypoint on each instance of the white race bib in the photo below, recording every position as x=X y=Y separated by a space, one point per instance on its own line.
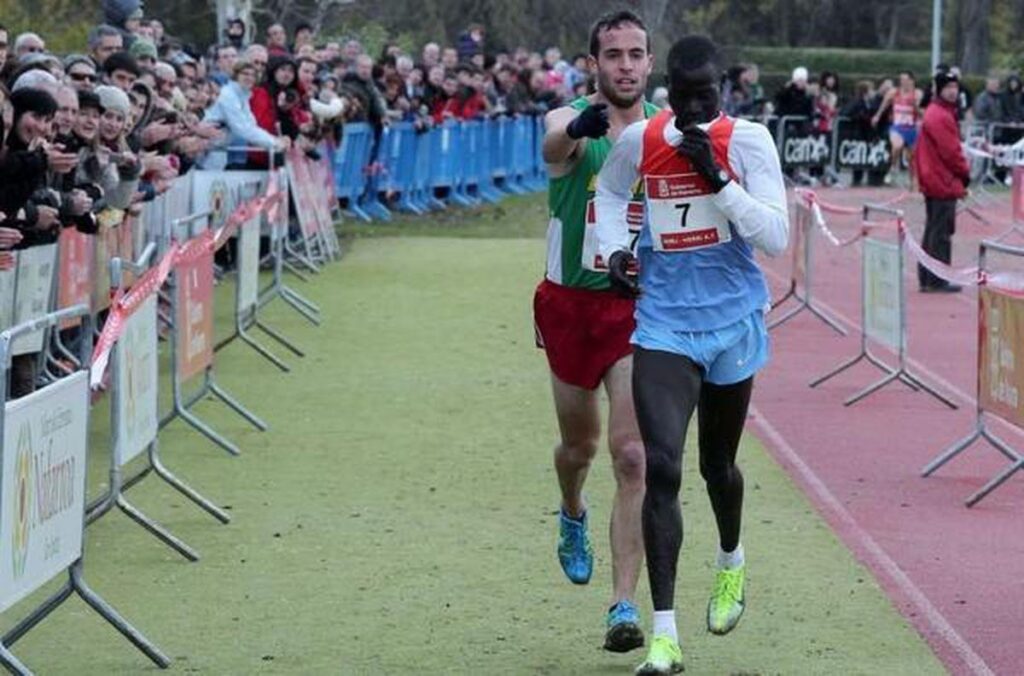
x=592 y=260
x=682 y=215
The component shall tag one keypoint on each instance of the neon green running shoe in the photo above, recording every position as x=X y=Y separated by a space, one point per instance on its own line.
x=726 y=605
x=665 y=657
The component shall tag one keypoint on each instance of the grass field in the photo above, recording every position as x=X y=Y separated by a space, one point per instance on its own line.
x=399 y=516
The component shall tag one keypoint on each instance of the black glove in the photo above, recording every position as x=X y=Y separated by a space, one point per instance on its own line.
x=592 y=122
x=696 y=147
x=622 y=282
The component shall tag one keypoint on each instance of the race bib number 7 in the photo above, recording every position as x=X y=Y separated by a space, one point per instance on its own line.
x=592 y=260
x=682 y=214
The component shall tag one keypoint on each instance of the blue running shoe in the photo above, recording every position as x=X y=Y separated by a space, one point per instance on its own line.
x=624 y=633
x=574 y=550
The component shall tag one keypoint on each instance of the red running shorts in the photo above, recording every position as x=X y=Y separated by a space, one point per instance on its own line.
x=583 y=332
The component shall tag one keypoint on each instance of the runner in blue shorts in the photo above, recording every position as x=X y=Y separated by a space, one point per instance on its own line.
x=713 y=190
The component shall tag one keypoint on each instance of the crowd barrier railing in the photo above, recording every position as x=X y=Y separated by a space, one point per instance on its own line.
x=45 y=437
x=883 y=307
x=463 y=163
x=190 y=285
x=134 y=393
x=48 y=300
x=1000 y=381
x=801 y=287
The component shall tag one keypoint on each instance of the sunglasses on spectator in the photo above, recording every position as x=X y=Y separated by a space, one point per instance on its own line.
x=33 y=50
x=82 y=77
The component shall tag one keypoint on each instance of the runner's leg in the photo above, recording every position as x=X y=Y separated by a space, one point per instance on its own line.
x=666 y=388
x=721 y=415
x=628 y=464
x=580 y=424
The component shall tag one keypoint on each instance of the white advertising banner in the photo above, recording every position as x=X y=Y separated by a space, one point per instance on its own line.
x=137 y=389
x=248 y=265
x=42 y=486
x=36 y=267
x=220 y=192
x=883 y=292
x=7 y=282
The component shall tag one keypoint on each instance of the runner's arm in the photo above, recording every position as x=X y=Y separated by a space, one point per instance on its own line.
x=757 y=208
x=615 y=190
x=560 y=151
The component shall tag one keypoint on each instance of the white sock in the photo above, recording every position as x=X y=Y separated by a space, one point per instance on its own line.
x=733 y=559
x=665 y=624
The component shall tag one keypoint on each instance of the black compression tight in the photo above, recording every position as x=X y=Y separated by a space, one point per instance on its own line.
x=666 y=389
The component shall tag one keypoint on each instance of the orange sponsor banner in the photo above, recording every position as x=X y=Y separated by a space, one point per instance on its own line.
x=194 y=279
x=75 y=271
x=107 y=246
x=305 y=193
x=1001 y=355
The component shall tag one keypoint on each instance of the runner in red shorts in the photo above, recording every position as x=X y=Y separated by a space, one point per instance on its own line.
x=585 y=328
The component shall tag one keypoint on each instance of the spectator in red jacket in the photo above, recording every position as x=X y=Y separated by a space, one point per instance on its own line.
x=277 y=104
x=943 y=175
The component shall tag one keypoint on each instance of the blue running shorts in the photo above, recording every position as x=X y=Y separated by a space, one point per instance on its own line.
x=728 y=355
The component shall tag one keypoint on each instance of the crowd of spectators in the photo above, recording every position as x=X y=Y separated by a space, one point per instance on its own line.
x=90 y=136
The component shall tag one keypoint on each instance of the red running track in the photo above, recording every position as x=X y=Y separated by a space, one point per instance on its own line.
x=956 y=573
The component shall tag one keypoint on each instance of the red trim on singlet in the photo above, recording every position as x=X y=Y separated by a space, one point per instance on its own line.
x=661 y=159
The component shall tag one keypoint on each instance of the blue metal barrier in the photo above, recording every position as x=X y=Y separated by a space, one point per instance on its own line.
x=350 y=162
x=468 y=162
x=370 y=201
x=400 y=165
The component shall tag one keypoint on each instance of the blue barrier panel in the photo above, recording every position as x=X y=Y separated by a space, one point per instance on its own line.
x=540 y=167
x=470 y=171
x=519 y=149
x=370 y=201
x=442 y=155
x=458 y=192
x=400 y=164
x=495 y=134
x=423 y=191
x=350 y=162
x=485 y=163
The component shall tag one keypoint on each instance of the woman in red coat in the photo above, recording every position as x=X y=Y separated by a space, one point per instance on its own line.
x=278 y=104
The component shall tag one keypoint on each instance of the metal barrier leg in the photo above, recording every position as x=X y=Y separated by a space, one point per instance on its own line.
x=11 y=663
x=953 y=451
x=118 y=622
x=894 y=375
x=208 y=431
x=267 y=354
x=237 y=407
x=156 y=529
x=928 y=388
x=996 y=481
x=39 y=614
x=183 y=488
x=295 y=271
x=279 y=338
x=837 y=370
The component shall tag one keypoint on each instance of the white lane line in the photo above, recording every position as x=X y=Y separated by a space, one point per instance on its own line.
x=883 y=562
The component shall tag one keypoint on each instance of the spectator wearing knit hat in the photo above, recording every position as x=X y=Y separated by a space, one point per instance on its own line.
x=144 y=52
x=113 y=131
x=943 y=175
x=121 y=14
